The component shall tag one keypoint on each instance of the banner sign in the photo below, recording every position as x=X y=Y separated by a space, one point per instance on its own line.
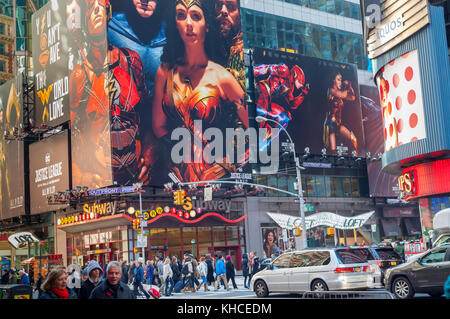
x=20 y=239
x=322 y=219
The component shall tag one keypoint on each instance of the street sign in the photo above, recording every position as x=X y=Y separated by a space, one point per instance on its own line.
x=144 y=223
x=141 y=241
x=208 y=194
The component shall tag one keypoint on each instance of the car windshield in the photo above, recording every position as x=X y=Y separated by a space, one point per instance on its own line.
x=387 y=253
x=353 y=255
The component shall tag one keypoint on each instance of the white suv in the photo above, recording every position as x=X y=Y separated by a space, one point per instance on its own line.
x=316 y=269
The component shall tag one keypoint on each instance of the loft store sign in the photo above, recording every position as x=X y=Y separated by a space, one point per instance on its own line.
x=321 y=219
x=20 y=240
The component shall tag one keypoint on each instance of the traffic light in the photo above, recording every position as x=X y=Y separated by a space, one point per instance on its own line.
x=136 y=223
x=298 y=232
x=179 y=197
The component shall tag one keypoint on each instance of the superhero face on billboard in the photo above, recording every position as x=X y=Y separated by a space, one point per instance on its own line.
x=12 y=190
x=315 y=100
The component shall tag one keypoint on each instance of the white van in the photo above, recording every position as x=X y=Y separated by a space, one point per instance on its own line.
x=318 y=269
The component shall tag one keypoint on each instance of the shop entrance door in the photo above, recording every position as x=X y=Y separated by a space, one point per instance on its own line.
x=233 y=251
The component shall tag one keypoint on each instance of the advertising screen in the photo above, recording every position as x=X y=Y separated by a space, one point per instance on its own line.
x=11 y=151
x=316 y=101
x=49 y=171
x=52 y=60
x=380 y=184
x=402 y=101
x=185 y=61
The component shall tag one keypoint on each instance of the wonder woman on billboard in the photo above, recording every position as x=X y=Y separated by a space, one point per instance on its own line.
x=189 y=86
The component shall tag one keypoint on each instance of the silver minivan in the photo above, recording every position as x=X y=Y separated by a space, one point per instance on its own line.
x=316 y=269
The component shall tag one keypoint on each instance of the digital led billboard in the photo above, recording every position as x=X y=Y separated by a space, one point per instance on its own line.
x=315 y=100
x=381 y=184
x=49 y=171
x=11 y=150
x=402 y=105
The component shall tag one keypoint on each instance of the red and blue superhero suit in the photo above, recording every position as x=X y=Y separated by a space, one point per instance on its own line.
x=280 y=91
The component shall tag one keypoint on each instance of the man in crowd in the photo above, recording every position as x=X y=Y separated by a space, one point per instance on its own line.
x=112 y=287
x=220 y=273
x=94 y=272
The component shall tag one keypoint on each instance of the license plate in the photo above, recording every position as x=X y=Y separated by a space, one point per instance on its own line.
x=357 y=269
x=393 y=263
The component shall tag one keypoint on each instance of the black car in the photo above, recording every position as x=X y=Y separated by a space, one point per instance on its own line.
x=386 y=258
x=424 y=274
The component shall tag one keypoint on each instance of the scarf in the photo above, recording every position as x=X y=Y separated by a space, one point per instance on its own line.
x=112 y=290
x=61 y=293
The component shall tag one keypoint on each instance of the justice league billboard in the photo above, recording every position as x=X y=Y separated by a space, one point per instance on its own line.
x=315 y=100
x=11 y=151
x=49 y=171
x=127 y=74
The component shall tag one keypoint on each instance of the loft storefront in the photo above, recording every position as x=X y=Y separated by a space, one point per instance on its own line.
x=107 y=231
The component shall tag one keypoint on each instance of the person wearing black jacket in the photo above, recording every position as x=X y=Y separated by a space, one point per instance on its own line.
x=94 y=272
x=125 y=269
x=230 y=273
x=112 y=287
x=245 y=270
x=5 y=276
x=175 y=269
x=210 y=276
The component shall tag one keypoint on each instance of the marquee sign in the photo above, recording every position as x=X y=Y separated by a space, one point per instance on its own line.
x=322 y=219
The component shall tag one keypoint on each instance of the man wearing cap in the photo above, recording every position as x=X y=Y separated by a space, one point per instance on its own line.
x=139 y=279
x=94 y=272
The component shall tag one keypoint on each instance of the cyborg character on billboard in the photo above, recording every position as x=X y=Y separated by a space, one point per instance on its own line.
x=280 y=91
x=106 y=91
x=190 y=86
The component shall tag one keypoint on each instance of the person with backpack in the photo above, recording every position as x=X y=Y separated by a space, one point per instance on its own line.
x=245 y=270
x=167 y=277
x=188 y=273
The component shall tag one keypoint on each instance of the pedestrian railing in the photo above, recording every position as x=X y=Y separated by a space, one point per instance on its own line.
x=347 y=295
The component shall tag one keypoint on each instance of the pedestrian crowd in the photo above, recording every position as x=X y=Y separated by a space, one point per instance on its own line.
x=122 y=281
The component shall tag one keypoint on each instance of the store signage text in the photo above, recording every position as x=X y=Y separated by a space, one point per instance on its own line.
x=100 y=209
x=406 y=183
x=390 y=29
x=21 y=239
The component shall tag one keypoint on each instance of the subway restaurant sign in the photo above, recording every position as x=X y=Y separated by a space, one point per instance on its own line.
x=321 y=219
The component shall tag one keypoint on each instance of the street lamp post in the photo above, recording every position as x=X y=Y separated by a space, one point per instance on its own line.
x=299 y=179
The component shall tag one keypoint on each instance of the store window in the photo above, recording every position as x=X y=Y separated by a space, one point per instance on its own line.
x=219 y=236
x=174 y=242
x=232 y=235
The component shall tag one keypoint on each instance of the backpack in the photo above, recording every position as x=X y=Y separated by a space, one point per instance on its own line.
x=185 y=270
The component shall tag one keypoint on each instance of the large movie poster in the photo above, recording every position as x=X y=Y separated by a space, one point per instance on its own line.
x=51 y=63
x=49 y=171
x=380 y=184
x=185 y=62
x=11 y=151
x=316 y=101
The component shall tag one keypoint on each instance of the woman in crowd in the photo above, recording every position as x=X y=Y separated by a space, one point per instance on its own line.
x=54 y=287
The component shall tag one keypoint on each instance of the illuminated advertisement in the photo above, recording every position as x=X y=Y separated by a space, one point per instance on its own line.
x=381 y=184
x=49 y=171
x=51 y=64
x=401 y=101
x=11 y=151
x=315 y=100
x=186 y=58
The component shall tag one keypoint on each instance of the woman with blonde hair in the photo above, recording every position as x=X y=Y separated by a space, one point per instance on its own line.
x=54 y=286
x=167 y=277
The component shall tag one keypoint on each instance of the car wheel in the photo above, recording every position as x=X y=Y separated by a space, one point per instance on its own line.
x=402 y=288
x=319 y=285
x=261 y=289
